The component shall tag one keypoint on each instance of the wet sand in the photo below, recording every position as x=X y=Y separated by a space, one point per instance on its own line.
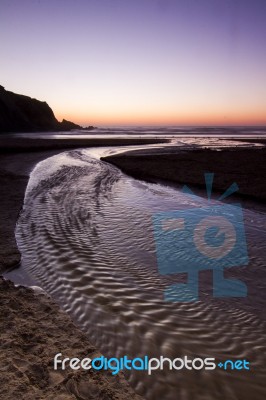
x=245 y=166
x=18 y=156
x=32 y=326
x=15 y=169
x=21 y=144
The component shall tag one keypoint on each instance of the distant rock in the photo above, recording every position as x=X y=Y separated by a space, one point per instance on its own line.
x=19 y=113
x=89 y=128
x=68 y=125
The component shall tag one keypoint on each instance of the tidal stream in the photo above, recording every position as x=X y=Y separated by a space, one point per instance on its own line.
x=86 y=236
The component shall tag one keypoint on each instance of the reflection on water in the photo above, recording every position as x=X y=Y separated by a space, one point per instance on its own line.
x=86 y=237
x=174 y=132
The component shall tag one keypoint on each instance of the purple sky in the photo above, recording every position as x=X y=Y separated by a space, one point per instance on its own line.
x=138 y=62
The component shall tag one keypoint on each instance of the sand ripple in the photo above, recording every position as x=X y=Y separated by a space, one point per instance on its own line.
x=86 y=237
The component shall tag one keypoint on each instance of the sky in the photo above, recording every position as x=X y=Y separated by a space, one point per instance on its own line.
x=141 y=62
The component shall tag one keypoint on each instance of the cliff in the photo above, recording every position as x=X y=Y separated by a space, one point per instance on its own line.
x=19 y=113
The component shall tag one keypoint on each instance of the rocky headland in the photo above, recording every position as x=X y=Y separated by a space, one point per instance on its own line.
x=19 y=113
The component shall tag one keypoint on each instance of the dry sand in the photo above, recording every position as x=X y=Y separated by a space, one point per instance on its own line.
x=33 y=329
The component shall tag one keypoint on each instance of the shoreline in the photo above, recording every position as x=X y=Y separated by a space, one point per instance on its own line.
x=35 y=327
x=15 y=145
x=14 y=176
x=18 y=156
x=177 y=166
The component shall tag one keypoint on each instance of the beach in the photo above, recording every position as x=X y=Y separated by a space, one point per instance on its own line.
x=18 y=156
x=34 y=327
x=133 y=200
x=243 y=165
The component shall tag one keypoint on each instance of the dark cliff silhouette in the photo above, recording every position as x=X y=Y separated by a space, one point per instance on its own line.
x=19 y=113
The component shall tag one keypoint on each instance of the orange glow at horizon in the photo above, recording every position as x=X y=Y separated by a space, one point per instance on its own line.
x=139 y=63
x=156 y=119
